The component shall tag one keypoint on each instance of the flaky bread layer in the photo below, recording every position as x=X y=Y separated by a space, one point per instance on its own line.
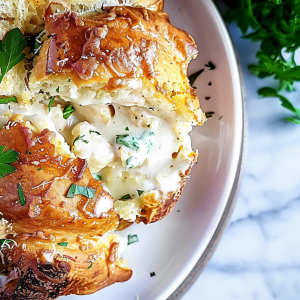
x=125 y=50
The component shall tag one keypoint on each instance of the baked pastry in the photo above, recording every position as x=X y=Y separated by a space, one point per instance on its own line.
x=106 y=97
x=28 y=16
x=55 y=217
x=122 y=58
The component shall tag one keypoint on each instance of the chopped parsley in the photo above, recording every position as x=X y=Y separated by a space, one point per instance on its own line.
x=132 y=239
x=127 y=129
x=209 y=114
x=21 y=194
x=80 y=138
x=5 y=242
x=210 y=65
x=97 y=177
x=80 y=190
x=142 y=145
x=140 y=192
x=39 y=169
x=57 y=90
x=6 y=158
x=126 y=197
x=68 y=110
x=50 y=103
x=7 y=100
x=94 y=131
x=11 y=50
x=91 y=264
x=193 y=77
x=63 y=244
x=129 y=141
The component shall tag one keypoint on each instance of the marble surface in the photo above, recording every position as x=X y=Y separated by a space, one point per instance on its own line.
x=259 y=254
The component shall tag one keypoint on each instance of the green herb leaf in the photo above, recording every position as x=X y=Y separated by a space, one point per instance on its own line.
x=127 y=129
x=193 y=77
x=57 y=90
x=97 y=177
x=270 y=92
x=132 y=239
x=50 y=103
x=80 y=138
x=21 y=194
x=39 y=169
x=126 y=197
x=5 y=242
x=210 y=65
x=293 y=120
x=94 y=131
x=140 y=192
x=80 y=190
x=209 y=114
x=91 y=264
x=68 y=110
x=6 y=158
x=7 y=100
x=275 y=24
x=142 y=145
x=63 y=244
x=129 y=141
x=11 y=50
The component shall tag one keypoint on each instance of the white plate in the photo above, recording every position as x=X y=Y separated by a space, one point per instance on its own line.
x=173 y=246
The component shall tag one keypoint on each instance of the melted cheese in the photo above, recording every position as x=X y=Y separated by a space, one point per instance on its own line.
x=160 y=166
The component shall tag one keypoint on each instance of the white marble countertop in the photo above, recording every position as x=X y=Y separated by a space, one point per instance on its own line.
x=259 y=254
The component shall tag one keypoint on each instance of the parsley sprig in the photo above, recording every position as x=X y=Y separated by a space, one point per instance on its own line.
x=276 y=25
x=11 y=51
x=6 y=158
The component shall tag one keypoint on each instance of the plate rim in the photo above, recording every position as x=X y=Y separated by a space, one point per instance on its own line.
x=201 y=264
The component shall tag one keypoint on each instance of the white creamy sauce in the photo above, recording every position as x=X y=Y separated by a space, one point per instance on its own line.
x=90 y=145
x=91 y=133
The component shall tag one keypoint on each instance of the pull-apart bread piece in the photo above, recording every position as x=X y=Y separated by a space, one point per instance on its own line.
x=28 y=16
x=98 y=140
x=124 y=71
x=54 y=219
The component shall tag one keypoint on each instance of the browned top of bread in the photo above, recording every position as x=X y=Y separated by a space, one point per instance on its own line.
x=54 y=245
x=70 y=272
x=45 y=178
x=122 y=44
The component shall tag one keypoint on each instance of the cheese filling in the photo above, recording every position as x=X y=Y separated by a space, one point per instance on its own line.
x=135 y=150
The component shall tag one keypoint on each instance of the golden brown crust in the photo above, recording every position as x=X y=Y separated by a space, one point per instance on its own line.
x=154 y=210
x=45 y=178
x=49 y=217
x=29 y=276
x=122 y=44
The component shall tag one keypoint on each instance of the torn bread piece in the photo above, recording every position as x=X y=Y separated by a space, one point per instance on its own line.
x=121 y=60
x=127 y=55
x=28 y=16
x=56 y=238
